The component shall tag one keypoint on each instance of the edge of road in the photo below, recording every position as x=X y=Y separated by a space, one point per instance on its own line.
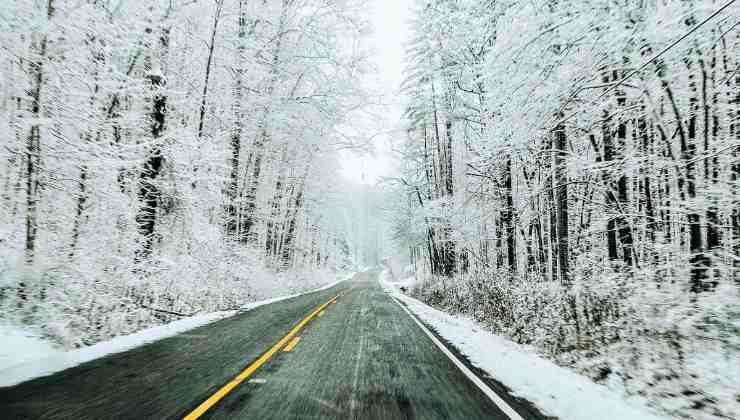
x=524 y=408
x=515 y=408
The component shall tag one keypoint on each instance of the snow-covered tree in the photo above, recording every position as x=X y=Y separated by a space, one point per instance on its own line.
x=164 y=157
x=571 y=178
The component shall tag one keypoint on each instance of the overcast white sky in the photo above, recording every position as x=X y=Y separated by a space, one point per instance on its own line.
x=389 y=17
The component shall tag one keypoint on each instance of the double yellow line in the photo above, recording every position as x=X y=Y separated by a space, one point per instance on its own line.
x=246 y=373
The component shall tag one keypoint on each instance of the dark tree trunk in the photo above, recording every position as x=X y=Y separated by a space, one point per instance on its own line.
x=201 y=119
x=448 y=159
x=561 y=199
x=80 y=209
x=250 y=195
x=149 y=193
x=286 y=243
x=698 y=260
x=611 y=224
x=507 y=219
x=33 y=144
x=735 y=176
x=625 y=232
x=256 y=156
x=553 y=232
x=232 y=190
x=271 y=227
x=531 y=260
x=711 y=174
x=645 y=135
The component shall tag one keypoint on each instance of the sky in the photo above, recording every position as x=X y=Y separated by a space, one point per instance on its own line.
x=389 y=18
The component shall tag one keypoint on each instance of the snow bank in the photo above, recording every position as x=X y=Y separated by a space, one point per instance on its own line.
x=556 y=391
x=25 y=356
x=58 y=361
x=253 y=305
x=19 y=345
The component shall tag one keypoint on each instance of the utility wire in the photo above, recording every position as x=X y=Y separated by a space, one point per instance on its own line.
x=658 y=55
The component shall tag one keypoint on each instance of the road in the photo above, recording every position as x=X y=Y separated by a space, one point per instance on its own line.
x=360 y=356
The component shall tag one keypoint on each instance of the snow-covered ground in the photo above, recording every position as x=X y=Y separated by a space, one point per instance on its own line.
x=20 y=345
x=555 y=390
x=25 y=355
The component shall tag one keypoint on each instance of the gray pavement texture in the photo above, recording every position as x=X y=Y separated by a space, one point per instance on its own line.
x=365 y=358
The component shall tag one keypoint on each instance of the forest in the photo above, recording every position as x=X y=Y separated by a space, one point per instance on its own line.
x=160 y=159
x=570 y=179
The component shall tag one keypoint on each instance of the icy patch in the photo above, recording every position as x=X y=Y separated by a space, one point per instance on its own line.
x=555 y=390
x=27 y=356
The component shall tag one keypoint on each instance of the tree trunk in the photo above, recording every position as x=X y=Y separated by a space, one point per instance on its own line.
x=201 y=119
x=232 y=190
x=560 y=172
x=625 y=232
x=33 y=144
x=80 y=209
x=608 y=156
x=507 y=219
x=263 y=136
x=149 y=193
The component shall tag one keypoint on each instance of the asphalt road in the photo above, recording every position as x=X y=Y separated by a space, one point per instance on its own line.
x=362 y=358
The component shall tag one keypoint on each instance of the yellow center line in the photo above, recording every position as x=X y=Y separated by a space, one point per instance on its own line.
x=246 y=373
x=322 y=313
x=292 y=344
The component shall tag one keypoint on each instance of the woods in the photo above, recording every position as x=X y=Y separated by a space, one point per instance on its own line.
x=171 y=157
x=570 y=179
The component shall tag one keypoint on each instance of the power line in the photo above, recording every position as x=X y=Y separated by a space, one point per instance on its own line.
x=656 y=56
x=686 y=35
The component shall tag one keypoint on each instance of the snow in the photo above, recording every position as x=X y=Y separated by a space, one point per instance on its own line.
x=253 y=305
x=555 y=390
x=19 y=346
x=25 y=356
x=56 y=361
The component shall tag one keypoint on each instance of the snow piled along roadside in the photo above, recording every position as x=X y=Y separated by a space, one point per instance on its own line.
x=59 y=360
x=25 y=356
x=555 y=390
x=19 y=346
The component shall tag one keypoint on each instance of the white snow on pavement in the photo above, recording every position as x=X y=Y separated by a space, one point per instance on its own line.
x=555 y=390
x=25 y=356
